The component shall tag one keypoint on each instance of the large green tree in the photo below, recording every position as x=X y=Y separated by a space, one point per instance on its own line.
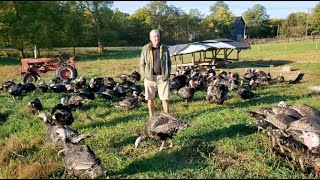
x=97 y=9
x=295 y=25
x=219 y=23
x=255 y=19
x=315 y=19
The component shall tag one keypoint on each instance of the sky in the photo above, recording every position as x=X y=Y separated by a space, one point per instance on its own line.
x=275 y=9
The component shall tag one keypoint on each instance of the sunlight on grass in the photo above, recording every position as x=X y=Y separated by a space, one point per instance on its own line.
x=219 y=144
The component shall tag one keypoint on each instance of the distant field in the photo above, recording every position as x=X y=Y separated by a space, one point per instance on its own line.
x=218 y=145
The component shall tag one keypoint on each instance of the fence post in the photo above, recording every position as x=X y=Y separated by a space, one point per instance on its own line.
x=285 y=48
x=259 y=47
x=316 y=44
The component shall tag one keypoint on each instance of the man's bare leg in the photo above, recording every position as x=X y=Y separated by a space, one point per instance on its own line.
x=165 y=105
x=151 y=106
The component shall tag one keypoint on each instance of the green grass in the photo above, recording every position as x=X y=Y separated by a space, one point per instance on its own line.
x=218 y=145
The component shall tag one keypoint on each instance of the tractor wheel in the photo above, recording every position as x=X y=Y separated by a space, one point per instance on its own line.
x=66 y=72
x=29 y=78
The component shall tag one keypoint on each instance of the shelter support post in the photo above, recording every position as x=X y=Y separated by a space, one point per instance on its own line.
x=193 y=58
x=175 y=59
x=238 y=52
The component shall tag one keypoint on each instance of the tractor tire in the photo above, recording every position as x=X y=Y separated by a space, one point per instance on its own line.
x=29 y=78
x=66 y=72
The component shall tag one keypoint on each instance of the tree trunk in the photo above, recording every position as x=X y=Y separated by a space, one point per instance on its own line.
x=74 y=51
x=21 y=53
x=38 y=52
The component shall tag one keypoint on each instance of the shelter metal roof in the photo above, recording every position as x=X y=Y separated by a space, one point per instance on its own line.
x=221 y=43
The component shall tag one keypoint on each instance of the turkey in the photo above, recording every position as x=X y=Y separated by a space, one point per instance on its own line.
x=62 y=115
x=161 y=126
x=96 y=84
x=35 y=105
x=306 y=110
x=135 y=76
x=28 y=87
x=127 y=104
x=15 y=90
x=308 y=123
x=187 y=92
x=56 y=134
x=244 y=92
x=178 y=82
x=280 y=78
x=217 y=93
x=74 y=101
x=311 y=139
x=80 y=161
x=42 y=86
x=5 y=86
x=79 y=83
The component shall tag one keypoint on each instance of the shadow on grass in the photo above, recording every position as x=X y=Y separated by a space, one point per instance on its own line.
x=257 y=63
x=113 y=122
x=188 y=156
x=4 y=117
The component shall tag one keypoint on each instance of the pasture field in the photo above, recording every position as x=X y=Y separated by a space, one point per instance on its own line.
x=219 y=144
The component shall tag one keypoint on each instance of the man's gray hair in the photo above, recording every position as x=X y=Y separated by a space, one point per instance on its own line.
x=154 y=30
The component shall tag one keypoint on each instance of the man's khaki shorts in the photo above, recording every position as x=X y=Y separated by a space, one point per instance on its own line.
x=150 y=88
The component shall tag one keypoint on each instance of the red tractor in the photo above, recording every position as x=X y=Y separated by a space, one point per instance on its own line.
x=31 y=68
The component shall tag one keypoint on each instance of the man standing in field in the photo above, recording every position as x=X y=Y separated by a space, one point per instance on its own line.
x=155 y=69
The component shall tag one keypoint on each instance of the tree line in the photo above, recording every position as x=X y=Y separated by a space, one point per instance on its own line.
x=48 y=24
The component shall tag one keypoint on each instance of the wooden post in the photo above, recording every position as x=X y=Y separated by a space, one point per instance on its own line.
x=193 y=59
x=225 y=56
x=285 y=48
x=316 y=44
x=176 y=62
x=200 y=56
x=238 y=54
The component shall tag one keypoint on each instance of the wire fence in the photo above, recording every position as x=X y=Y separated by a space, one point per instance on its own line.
x=281 y=39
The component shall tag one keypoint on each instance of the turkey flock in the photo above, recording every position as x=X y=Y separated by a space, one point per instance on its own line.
x=293 y=128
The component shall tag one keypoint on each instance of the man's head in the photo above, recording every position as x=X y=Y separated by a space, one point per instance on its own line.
x=155 y=37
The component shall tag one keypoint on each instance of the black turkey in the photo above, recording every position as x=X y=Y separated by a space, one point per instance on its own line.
x=42 y=86
x=35 y=105
x=109 y=82
x=79 y=83
x=15 y=90
x=187 y=92
x=96 y=84
x=135 y=76
x=178 y=82
x=80 y=161
x=217 y=94
x=57 y=87
x=5 y=86
x=74 y=100
x=28 y=87
x=161 y=126
x=127 y=104
x=244 y=92
x=62 y=115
